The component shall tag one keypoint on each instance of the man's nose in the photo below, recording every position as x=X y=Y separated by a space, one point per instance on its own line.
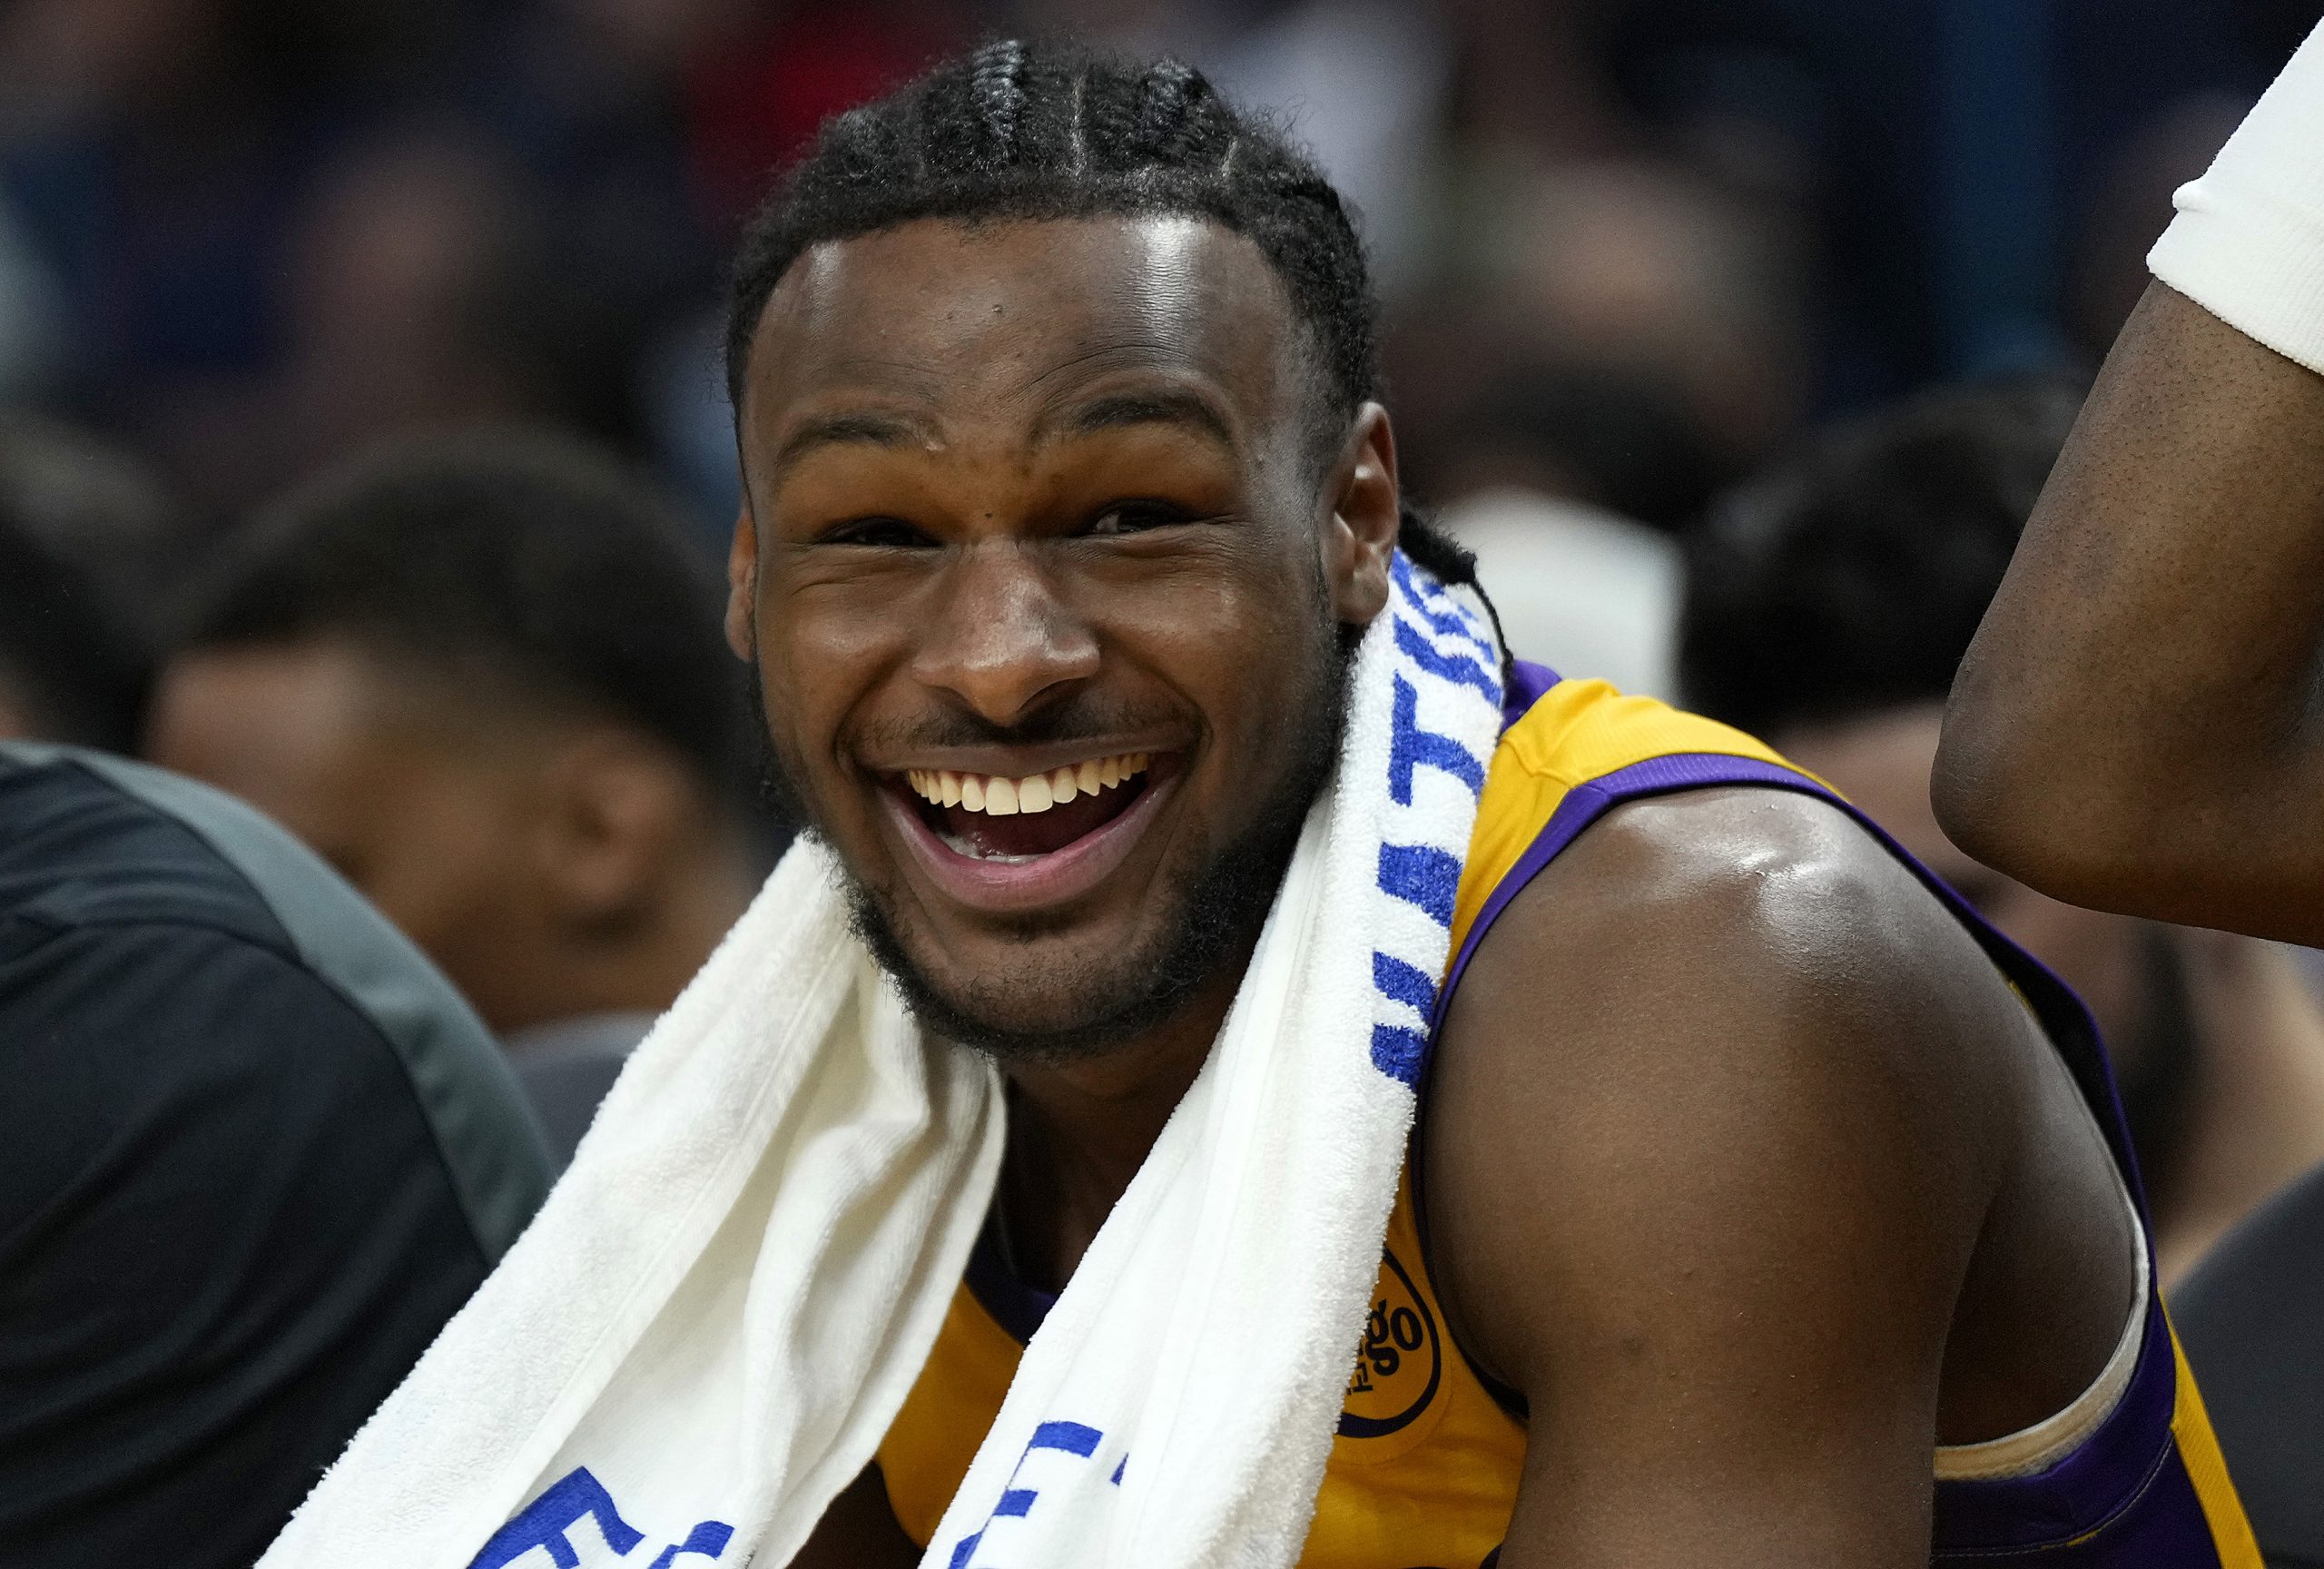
x=1003 y=640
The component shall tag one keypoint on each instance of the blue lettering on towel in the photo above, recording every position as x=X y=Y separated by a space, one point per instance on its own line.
x=571 y=1499
x=1445 y=666
x=1403 y=983
x=708 y=1540
x=1409 y=746
x=547 y=1521
x=1451 y=621
x=1399 y=1053
x=1016 y=1502
x=1422 y=875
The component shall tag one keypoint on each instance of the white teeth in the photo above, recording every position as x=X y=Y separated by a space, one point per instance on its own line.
x=1034 y=792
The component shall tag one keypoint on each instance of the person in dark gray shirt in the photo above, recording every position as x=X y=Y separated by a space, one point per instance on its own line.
x=257 y=1153
x=482 y=674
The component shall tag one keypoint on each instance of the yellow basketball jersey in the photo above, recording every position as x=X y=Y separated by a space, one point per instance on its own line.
x=1426 y=1465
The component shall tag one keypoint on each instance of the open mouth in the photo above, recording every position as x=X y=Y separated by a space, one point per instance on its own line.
x=1013 y=820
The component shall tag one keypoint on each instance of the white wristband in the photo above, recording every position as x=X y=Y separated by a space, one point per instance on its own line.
x=2248 y=243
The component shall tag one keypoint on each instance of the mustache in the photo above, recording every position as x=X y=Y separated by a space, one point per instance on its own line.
x=1074 y=719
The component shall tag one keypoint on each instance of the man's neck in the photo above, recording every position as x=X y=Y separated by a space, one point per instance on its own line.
x=1078 y=1130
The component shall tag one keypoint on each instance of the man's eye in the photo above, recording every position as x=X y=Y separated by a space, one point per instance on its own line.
x=1135 y=518
x=885 y=533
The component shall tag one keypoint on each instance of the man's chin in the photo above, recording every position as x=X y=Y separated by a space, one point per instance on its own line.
x=1041 y=1002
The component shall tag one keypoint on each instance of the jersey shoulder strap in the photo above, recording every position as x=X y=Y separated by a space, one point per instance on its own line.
x=1572 y=751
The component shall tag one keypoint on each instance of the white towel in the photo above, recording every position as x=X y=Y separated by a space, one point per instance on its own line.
x=709 y=1327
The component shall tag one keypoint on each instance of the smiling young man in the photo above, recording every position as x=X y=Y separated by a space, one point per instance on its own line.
x=1763 y=1220
x=1750 y=1215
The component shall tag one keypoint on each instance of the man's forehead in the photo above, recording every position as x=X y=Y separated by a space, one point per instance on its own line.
x=1013 y=306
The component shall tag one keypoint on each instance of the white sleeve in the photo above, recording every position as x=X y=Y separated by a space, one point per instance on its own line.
x=2248 y=243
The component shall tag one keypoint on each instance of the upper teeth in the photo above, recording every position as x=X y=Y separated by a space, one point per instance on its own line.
x=998 y=797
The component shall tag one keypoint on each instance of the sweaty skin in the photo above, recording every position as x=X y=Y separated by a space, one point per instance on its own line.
x=2137 y=726
x=1744 y=1165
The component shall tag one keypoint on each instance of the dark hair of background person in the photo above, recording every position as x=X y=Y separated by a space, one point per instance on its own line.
x=89 y=540
x=1611 y=439
x=68 y=666
x=525 y=562
x=1851 y=578
x=1037 y=131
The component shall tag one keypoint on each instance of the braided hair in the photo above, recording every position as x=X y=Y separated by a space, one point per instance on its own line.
x=1029 y=130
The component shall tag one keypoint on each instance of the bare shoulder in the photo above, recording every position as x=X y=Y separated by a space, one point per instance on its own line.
x=1740 y=1156
x=1725 y=1028
x=1709 y=902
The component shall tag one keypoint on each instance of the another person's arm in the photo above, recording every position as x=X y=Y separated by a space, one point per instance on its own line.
x=2140 y=724
x=1714 y=1218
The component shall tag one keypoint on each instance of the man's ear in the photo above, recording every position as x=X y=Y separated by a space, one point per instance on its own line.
x=1366 y=513
x=611 y=815
x=743 y=586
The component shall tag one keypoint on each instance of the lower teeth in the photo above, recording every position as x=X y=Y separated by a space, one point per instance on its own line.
x=962 y=847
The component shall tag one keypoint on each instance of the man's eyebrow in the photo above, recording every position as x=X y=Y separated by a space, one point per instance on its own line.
x=1164 y=406
x=861 y=428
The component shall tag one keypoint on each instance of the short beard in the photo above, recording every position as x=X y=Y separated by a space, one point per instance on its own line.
x=1221 y=906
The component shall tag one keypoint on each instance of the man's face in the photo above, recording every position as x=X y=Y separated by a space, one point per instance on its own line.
x=1033 y=522
x=328 y=743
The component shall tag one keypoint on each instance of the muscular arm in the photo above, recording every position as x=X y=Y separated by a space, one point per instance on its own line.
x=2140 y=724
x=1728 y=1117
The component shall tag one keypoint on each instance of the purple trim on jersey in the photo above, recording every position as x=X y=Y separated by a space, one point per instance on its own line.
x=1017 y=1307
x=1528 y=683
x=2127 y=1474
x=2119 y=1470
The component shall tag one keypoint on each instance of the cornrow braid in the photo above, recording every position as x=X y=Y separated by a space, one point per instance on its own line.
x=1035 y=131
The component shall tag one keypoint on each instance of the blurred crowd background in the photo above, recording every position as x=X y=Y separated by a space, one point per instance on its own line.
x=1632 y=253
x=1627 y=247
x=1735 y=336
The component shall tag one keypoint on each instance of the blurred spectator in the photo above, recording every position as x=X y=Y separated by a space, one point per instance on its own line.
x=761 y=80
x=63 y=674
x=1949 y=158
x=1826 y=607
x=101 y=507
x=231 y=1219
x=255 y=234
x=85 y=536
x=1625 y=328
x=1585 y=591
x=1595 y=436
x=1645 y=269
x=402 y=311
x=485 y=678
